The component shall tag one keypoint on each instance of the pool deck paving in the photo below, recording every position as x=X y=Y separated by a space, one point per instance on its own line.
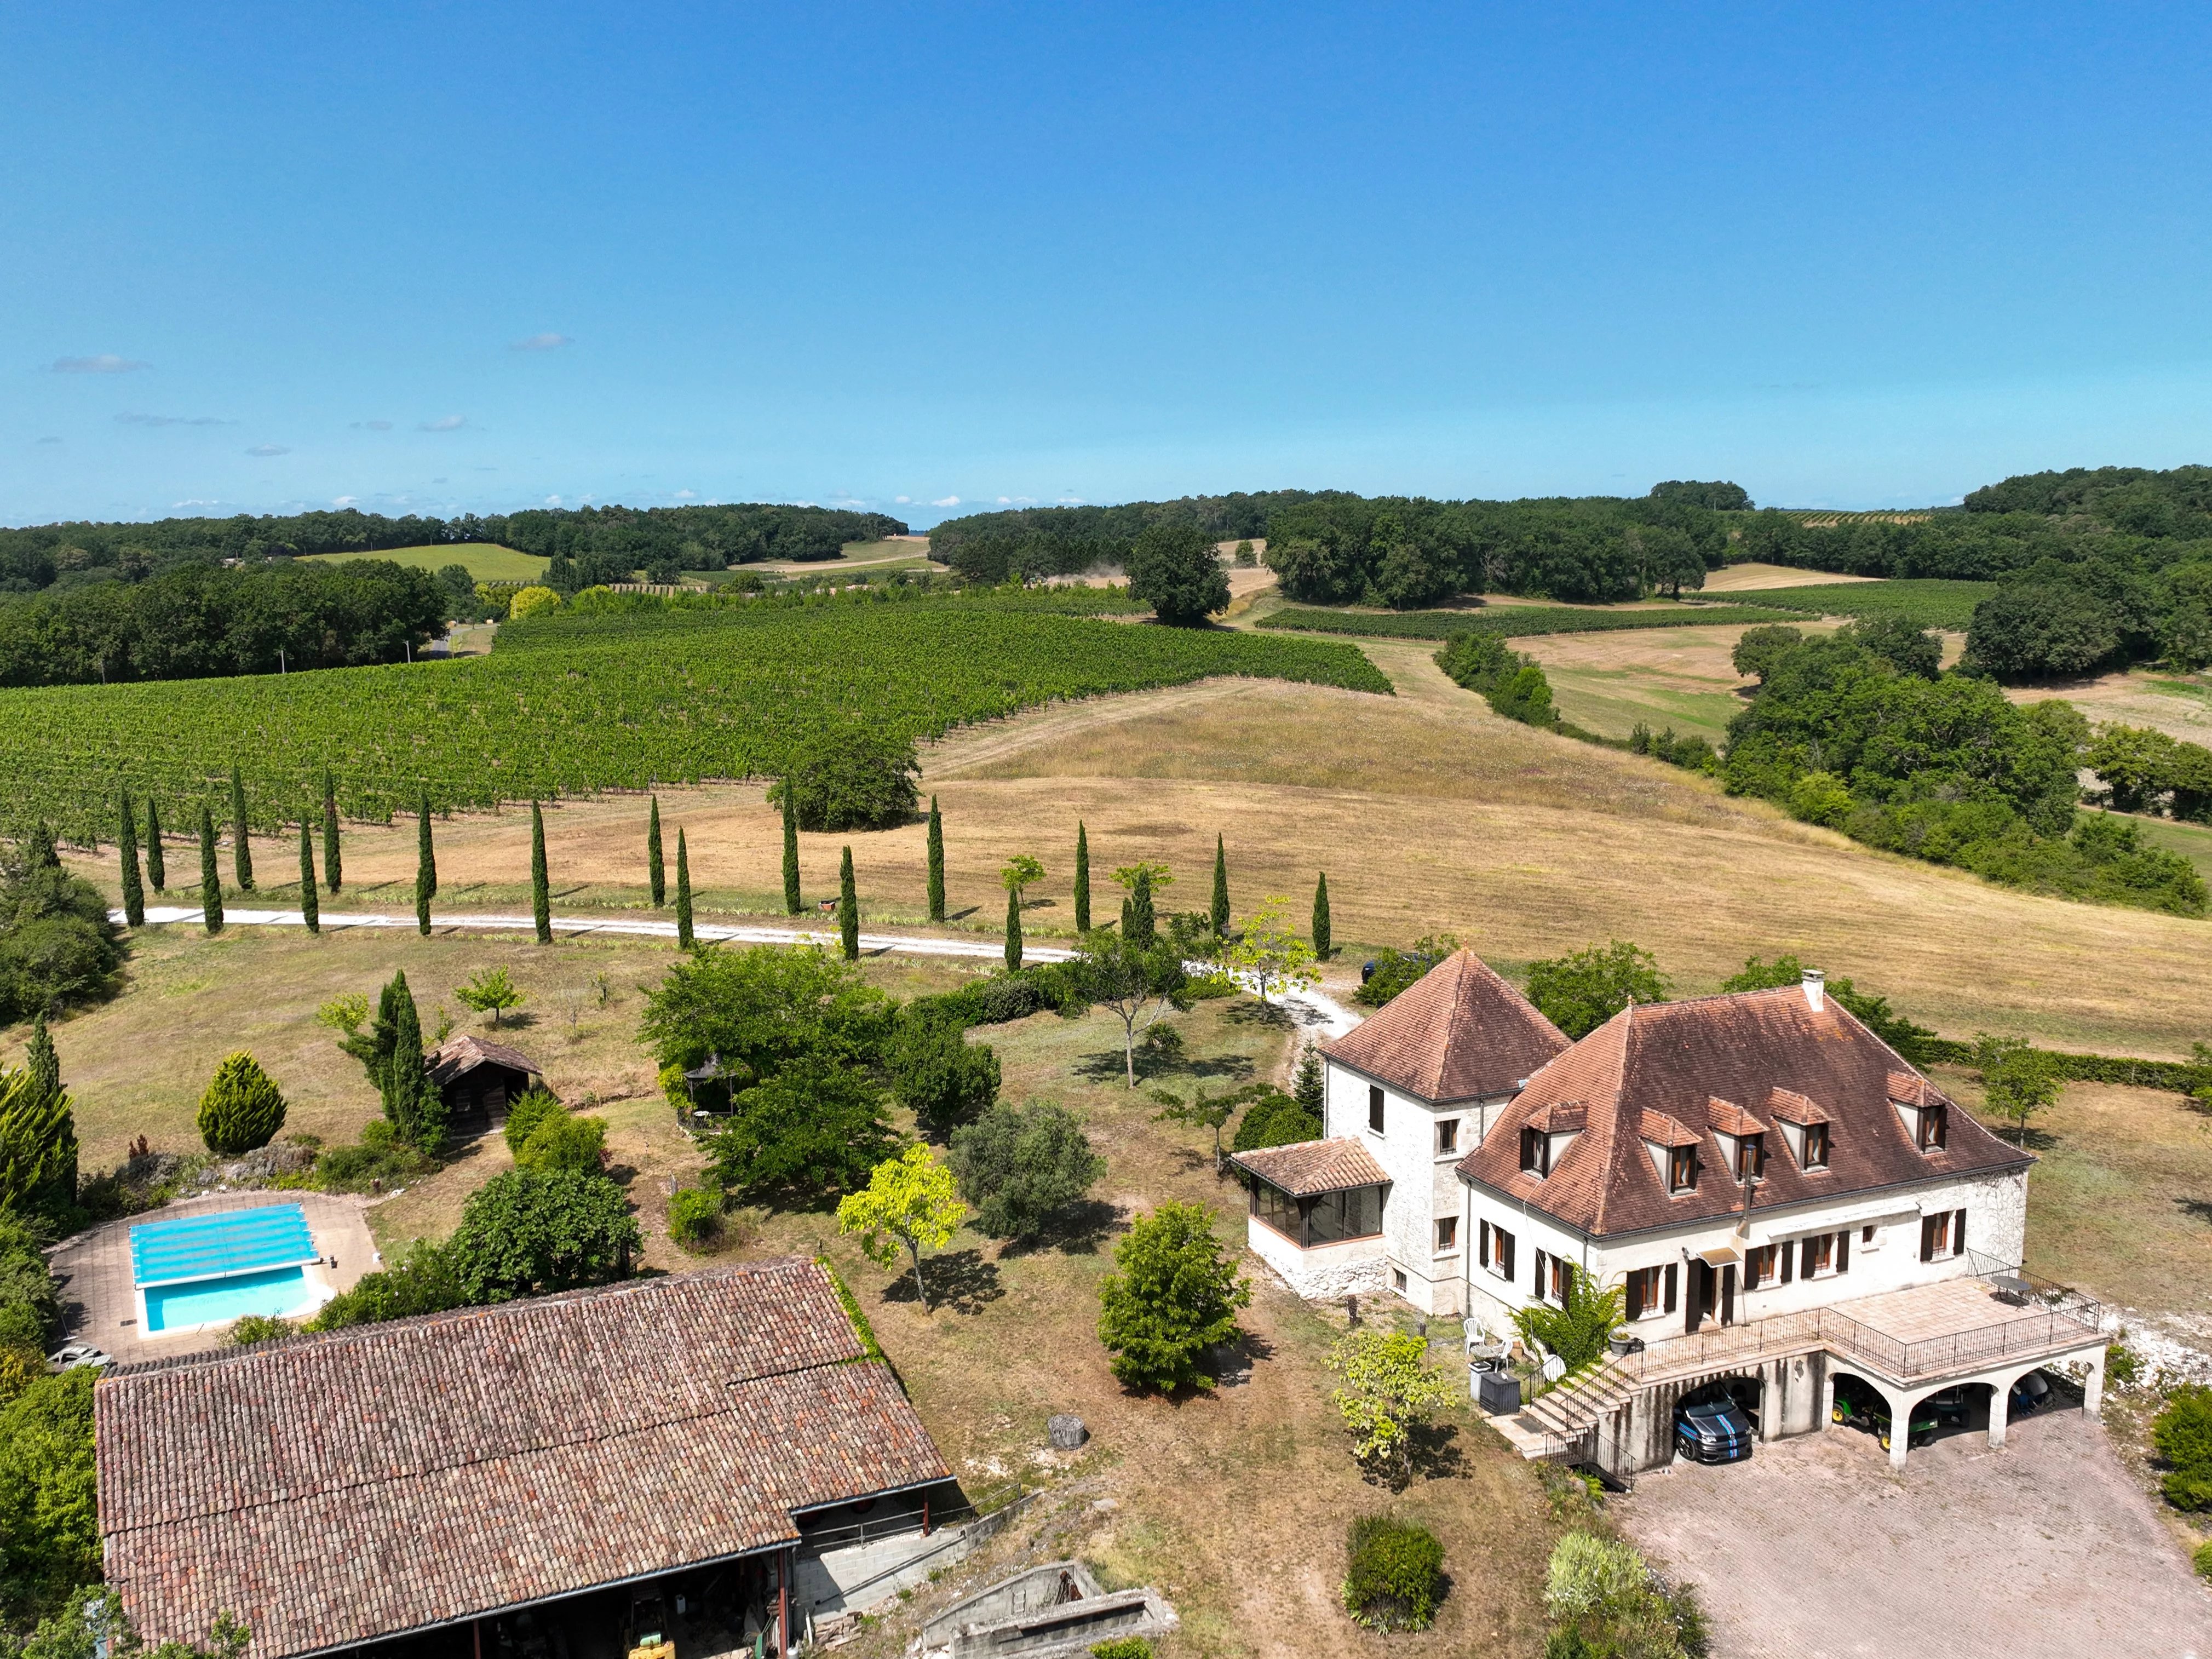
x=100 y=1303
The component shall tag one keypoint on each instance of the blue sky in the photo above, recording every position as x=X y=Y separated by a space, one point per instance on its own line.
x=446 y=257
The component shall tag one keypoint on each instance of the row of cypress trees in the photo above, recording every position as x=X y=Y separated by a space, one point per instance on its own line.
x=156 y=869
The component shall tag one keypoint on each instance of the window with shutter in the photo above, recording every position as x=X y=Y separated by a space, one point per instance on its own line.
x=1787 y=1254
x=1959 y=1232
x=1375 y=1108
x=1844 y=1251
x=1927 y=1238
x=1541 y=1260
x=1505 y=1254
x=1674 y=1270
x=1482 y=1242
x=1632 y=1305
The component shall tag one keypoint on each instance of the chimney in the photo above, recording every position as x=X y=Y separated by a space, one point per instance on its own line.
x=1816 y=991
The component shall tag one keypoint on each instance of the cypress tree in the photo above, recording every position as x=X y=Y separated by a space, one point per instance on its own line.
x=1321 y=917
x=790 y=851
x=683 y=893
x=405 y=1079
x=1082 y=878
x=40 y=1061
x=848 y=909
x=157 y=866
x=426 y=867
x=1013 y=931
x=655 y=877
x=330 y=872
x=1220 y=913
x=541 y=893
x=1140 y=909
x=210 y=875
x=241 y=850
x=310 y=909
x=134 y=891
x=936 y=862
x=1129 y=918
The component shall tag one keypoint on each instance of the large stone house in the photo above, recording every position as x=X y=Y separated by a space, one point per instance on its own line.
x=1754 y=1172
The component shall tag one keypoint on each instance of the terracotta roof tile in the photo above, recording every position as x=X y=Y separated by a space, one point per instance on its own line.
x=1658 y=1126
x=1308 y=1167
x=1730 y=1119
x=1558 y=1118
x=333 y=1489
x=1670 y=1061
x=1459 y=1032
x=1791 y=1107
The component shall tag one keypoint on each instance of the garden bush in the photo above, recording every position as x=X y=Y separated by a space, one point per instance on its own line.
x=694 y=1216
x=940 y=1077
x=241 y=1110
x=1274 y=1119
x=1017 y=1165
x=524 y=1116
x=2201 y=1559
x=1395 y=970
x=262 y=1328
x=850 y=777
x=1606 y=1603
x=1172 y=1297
x=1394 y=1574
x=1122 y=1647
x=562 y=1140
x=384 y=1158
x=2183 y=1435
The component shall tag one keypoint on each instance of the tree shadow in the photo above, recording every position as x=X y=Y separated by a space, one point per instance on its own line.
x=2034 y=1141
x=963 y=915
x=960 y=1281
x=620 y=1174
x=2197 y=1209
x=514 y=1019
x=1250 y=1010
x=1239 y=1067
x=1073 y=1230
x=1233 y=1362
x=1437 y=1453
x=1103 y=1066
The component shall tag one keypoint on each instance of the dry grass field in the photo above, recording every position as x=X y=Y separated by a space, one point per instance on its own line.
x=2180 y=705
x=1750 y=576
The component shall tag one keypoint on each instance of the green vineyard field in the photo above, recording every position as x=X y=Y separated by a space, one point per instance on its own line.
x=574 y=706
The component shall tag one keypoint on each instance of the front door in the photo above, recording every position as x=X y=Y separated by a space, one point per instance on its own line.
x=1698 y=1306
x=1728 y=1294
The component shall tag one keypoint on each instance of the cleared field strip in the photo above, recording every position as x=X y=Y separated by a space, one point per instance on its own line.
x=485 y=561
x=1512 y=622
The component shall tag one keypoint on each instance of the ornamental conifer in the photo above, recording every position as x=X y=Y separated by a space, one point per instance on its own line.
x=936 y=862
x=426 y=867
x=40 y=1060
x=1082 y=878
x=1140 y=928
x=134 y=891
x=210 y=875
x=331 y=872
x=241 y=848
x=790 y=851
x=541 y=893
x=655 y=877
x=310 y=909
x=848 y=909
x=157 y=866
x=683 y=893
x=1321 y=917
x=1219 y=915
x=1013 y=931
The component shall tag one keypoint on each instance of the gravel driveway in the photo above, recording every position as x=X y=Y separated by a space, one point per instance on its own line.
x=1813 y=1550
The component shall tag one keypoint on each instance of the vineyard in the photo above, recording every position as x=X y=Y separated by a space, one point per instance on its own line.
x=574 y=706
x=1516 y=621
x=1925 y=602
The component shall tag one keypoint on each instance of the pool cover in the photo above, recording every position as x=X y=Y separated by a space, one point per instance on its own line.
x=219 y=1245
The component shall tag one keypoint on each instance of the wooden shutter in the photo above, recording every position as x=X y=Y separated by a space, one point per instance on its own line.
x=1541 y=1283
x=1811 y=1264
x=1786 y=1254
x=1958 y=1233
x=1505 y=1248
x=1844 y=1251
x=1674 y=1274
x=1482 y=1242
x=1927 y=1238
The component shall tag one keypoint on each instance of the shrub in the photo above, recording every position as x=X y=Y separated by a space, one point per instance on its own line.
x=2183 y=1436
x=1394 y=1574
x=241 y=1110
x=850 y=777
x=1579 y=993
x=262 y=1328
x=529 y=601
x=1017 y=1165
x=1577 y=1331
x=1274 y=1119
x=422 y=1281
x=383 y=1158
x=2200 y=1559
x=562 y=1140
x=1822 y=798
x=530 y=1230
x=2122 y=1365
x=1606 y=1602
x=49 y=1528
x=30 y=1305
x=524 y=1116
x=694 y=1216
x=939 y=1076
x=1122 y=1647
x=1394 y=970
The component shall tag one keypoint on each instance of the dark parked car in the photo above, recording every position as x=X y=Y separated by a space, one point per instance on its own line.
x=2031 y=1391
x=1716 y=1430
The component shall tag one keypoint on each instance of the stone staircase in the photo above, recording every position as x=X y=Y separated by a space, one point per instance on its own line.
x=1555 y=1422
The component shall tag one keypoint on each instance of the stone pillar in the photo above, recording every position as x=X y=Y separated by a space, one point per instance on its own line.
x=2093 y=1390
x=1901 y=1425
x=2000 y=1412
x=1826 y=1412
x=1770 y=1386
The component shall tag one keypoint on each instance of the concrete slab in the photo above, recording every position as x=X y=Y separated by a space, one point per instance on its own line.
x=1814 y=1549
x=101 y=1305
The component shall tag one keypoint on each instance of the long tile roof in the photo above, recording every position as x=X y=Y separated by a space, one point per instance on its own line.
x=1459 y=1032
x=1670 y=1072
x=330 y=1490
x=1307 y=1167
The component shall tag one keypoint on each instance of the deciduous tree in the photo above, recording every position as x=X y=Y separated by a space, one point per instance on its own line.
x=1270 y=955
x=1389 y=1394
x=910 y=1202
x=1172 y=1297
x=1580 y=992
x=1138 y=982
x=1019 y=1165
x=491 y=992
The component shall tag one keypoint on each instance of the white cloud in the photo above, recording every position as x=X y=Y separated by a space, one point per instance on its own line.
x=552 y=501
x=687 y=495
x=345 y=500
x=195 y=502
x=444 y=423
x=1071 y=500
x=949 y=500
x=174 y=420
x=902 y=501
x=268 y=449
x=106 y=363
x=542 y=343
x=373 y=426
x=1006 y=500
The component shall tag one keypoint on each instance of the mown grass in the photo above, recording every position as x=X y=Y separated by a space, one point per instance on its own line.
x=486 y=561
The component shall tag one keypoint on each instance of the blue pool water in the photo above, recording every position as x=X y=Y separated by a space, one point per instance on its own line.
x=215 y=1301
x=218 y=1246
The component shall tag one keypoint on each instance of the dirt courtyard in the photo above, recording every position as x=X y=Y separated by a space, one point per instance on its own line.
x=1813 y=1550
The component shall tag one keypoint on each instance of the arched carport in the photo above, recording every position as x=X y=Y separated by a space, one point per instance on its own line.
x=1902 y=1398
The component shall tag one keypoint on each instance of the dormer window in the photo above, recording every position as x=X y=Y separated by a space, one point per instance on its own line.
x=1814 y=1152
x=1751 y=1158
x=1929 y=1133
x=1681 y=1169
x=1925 y=1113
x=1535 y=1151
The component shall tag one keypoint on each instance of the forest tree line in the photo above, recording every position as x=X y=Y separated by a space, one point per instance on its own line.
x=36 y=557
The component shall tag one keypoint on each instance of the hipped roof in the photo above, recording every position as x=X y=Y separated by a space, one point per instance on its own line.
x=1667 y=1073
x=1459 y=1032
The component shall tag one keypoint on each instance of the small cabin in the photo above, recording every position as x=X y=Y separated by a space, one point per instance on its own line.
x=478 y=1080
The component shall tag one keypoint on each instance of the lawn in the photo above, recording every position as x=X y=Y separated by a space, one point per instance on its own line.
x=487 y=562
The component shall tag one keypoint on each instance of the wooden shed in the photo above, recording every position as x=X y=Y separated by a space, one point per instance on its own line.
x=478 y=1080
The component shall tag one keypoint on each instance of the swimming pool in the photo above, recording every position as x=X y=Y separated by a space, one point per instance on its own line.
x=210 y=1269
